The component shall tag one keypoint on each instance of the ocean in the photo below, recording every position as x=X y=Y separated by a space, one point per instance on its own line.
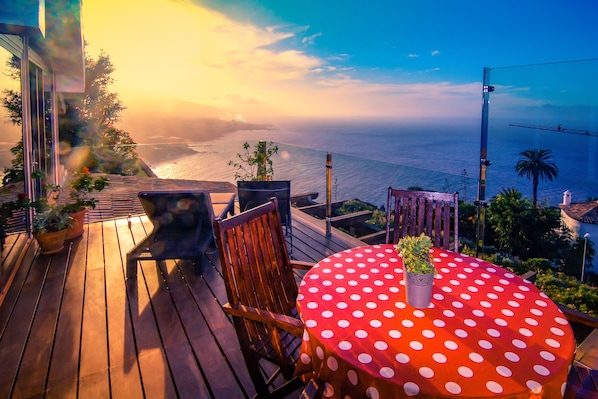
x=369 y=156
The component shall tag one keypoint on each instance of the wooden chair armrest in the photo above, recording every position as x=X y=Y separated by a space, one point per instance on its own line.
x=299 y=264
x=284 y=322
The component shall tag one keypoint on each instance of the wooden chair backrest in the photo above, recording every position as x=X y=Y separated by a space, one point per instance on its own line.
x=256 y=265
x=410 y=213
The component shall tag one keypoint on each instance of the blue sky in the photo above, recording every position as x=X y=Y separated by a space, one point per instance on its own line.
x=260 y=58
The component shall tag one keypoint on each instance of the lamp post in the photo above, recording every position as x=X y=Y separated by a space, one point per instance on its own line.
x=583 y=260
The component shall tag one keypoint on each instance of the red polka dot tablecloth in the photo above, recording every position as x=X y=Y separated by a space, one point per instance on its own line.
x=487 y=332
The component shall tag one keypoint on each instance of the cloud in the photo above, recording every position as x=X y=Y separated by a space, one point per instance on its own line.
x=412 y=55
x=434 y=53
x=310 y=39
x=243 y=67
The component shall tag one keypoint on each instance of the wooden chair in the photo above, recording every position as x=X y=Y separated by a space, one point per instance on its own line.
x=262 y=291
x=410 y=212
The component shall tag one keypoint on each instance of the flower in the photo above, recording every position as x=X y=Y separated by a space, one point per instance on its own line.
x=80 y=185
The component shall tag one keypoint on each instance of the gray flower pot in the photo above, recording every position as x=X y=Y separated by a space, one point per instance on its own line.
x=419 y=289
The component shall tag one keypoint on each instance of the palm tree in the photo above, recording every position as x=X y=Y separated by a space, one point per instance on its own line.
x=536 y=164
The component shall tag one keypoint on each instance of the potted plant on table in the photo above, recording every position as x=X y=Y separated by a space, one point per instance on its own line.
x=80 y=185
x=50 y=227
x=419 y=269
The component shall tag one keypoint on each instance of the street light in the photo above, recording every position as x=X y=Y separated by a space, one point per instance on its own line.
x=583 y=261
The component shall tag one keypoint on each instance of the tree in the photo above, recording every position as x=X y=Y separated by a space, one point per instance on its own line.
x=536 y=164
x=89 y=122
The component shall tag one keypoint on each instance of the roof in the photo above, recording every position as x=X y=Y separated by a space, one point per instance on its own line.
x=585 y=212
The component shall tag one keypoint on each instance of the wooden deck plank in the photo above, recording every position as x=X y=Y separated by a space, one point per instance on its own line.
x=33 y=371
x=64 y=367
x=94 y=344
x=124 y=369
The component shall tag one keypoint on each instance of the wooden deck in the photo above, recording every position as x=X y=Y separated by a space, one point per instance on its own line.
x=72 y=326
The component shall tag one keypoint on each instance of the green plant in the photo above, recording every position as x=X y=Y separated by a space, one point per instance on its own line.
x=51 y=220
x=416 y=254
x=80 y=185
x=256 y=163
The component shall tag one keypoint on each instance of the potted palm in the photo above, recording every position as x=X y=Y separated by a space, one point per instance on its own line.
x=419 y=269
x=50 y=228
x=80 y=185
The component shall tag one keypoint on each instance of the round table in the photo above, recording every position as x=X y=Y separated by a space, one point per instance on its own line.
x=487 y=332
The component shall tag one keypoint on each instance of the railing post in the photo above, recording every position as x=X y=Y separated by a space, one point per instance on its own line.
x=328 y=193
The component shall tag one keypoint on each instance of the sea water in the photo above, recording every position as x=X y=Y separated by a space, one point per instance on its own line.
x=368 y=157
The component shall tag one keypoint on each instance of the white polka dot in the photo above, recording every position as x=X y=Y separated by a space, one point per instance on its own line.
x=355 y=297
x=372 y=393
x=400 y=305
x=454 y=282
x=504 y=371
x=465 y=297
x=407 y=323
x=557 y=331
x=472 y=289
x=534 y=386
x=493 y=333
x=328 y=390
x=485 y=344
x=352 y=377
x=419 y=314
x=452 y=345
x=553 y=343
x=476 y=357
x=311 y=305
x=470 y=323
x=388 y=314
x=358 y=314
x=536 y=312
x=381 y=345
x=501 y=322
x=305 y=358
x=339 y=276
x=543 y=371
x=327 y=314
x=448 y=313
x=345 y=345
x=531 y=322
x=465 y=372
x=508 y=312
x=486 y=304
x=416 y=345
x=327 y=334
x=387 y=372
x=439 y=323
x=426 y=372
x=311 y=323
x=326 y=283
x=439 y=358
x=353 y=283
x=410 y=388
x=394 y=334
x=562 y=321
x=327 y=297
x=320 y=352
x=519 y=295
x=486 y=275
x=402 y=358
x=519 y=344
x=332 y=363
x=547 y=356
x=361 y=334
x=478 y=312
x=461 y=333
x=428 y=333
x=492 y=296
x=376 y=323
x=368 y=290
x=457 y=304
x=494 y=387
x=503 y=282
x=383 y=297
x=523 y=288
x=541 y=303
x=525 y=332
x=438 y=296
x=342 y=305
x=453 y=387
x=343 y=323
x=513 y=304
x=364 y=358
x=512 y=357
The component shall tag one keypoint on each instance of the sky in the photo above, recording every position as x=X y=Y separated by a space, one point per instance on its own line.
x=262 y=60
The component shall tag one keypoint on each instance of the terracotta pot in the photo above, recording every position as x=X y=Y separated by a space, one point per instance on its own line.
x=51 y=243
x=77 y=225
x=419 y=289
